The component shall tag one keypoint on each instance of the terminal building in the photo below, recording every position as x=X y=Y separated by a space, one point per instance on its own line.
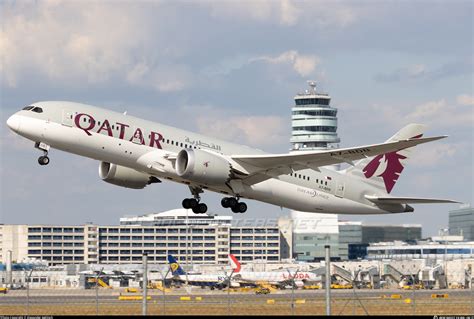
x=461 y=222
x=434 y=250
x=191 y=238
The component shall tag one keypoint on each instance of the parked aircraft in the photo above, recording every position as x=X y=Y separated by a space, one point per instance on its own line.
x=212 y=281
x=279 y=278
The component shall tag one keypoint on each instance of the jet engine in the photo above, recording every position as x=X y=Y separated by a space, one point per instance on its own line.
x=203 y=167
x=124 y=176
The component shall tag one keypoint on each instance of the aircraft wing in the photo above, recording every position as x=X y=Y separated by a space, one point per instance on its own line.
x=406 y=200
x=277 y=164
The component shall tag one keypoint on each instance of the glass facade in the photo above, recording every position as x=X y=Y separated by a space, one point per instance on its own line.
x=461 y=222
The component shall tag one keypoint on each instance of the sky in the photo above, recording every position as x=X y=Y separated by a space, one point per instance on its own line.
x=231 y=69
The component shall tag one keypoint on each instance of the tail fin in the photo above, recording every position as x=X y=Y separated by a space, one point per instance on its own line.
x=383 y=171
x=175 y=267
x=235 y=264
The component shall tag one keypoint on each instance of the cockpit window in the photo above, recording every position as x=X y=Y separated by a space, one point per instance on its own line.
x=37 y=110
x=27 y=108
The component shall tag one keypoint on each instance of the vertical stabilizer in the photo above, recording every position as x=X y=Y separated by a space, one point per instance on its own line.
x=383 y=171
x=175 y=267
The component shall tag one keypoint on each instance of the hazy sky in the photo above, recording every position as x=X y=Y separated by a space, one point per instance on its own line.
x=231 y=69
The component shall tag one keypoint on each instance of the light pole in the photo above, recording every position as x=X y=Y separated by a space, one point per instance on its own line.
x=97 y=290
x=163 y=289
x=328 y=280
x=445 y=230
x=187 y=236
x=28 y=279
x=145 y=284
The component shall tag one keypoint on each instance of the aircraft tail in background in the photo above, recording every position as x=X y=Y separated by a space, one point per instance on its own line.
x=175 y=267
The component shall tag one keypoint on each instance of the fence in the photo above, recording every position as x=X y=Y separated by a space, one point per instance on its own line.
x=363 y=291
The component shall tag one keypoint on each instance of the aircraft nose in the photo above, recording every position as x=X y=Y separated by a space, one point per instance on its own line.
x=13 y=122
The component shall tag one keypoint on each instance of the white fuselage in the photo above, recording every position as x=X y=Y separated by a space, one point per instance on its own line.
x=143 y=145
x=276 y=277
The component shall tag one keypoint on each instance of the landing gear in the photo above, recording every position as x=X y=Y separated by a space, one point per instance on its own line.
x=43 y=160
x=194 y=203
x=234 y=204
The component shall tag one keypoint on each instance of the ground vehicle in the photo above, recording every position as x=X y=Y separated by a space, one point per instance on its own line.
x=262 y=291
x=340 y=286
x=131 y=290
x=410 y=287
x=3 y=290
x=312 y=287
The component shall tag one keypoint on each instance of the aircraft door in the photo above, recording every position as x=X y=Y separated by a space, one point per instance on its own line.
x=340 y=189
x=67 y=117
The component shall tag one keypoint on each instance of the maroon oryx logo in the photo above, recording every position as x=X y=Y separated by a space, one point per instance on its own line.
x=206 y=163
x=392 y=171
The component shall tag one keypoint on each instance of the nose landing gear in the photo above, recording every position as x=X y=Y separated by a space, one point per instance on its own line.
x=43 y=160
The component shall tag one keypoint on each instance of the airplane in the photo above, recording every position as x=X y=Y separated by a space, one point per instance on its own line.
x=134 y=153
x=212 y=281
x=281 y=279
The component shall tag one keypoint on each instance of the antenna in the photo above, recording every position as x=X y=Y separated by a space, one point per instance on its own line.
x=312 y=85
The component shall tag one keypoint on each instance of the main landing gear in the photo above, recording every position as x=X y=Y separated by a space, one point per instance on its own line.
x=234 y=204
x=194 y=203
x=43 y=160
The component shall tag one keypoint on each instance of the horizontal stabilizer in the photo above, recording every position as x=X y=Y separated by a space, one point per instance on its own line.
x=407 y=200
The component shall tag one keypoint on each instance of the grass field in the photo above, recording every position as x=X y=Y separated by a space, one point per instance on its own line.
x=346 y=306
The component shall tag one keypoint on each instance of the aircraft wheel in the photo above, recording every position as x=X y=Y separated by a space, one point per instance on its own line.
x=232 y=202
x=193 y=203
x=242 y=207
x=186 y=204
x=43 y=160
x=200 y=209
x=225 y=202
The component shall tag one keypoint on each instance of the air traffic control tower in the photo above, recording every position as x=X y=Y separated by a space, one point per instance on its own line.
x=314 y=121
x=314 y=127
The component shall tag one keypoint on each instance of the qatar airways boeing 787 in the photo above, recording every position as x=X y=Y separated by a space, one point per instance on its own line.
x=135 y=153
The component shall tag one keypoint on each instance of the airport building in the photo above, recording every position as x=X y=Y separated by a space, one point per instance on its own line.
x=192 y=238
x=434 y=250
x=349 y=240
x=314 y=121
x=461 y=222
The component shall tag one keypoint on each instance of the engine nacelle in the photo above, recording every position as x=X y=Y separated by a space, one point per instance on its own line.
x=124 y=176
x=202 y=167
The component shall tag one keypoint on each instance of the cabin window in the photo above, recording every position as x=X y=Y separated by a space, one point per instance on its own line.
x=181 y=144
